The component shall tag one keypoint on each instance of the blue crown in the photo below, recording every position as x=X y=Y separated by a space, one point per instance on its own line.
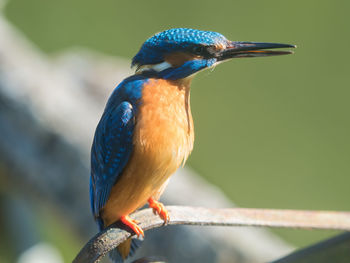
x=172 y=40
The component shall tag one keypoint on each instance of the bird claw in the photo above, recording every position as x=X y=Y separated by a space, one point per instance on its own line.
x=133 y=224
x=158 y=208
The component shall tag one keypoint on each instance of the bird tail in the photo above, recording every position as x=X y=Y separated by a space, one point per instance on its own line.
x=125 y=250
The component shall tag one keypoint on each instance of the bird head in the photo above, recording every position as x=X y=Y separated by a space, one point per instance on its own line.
x=181 y=52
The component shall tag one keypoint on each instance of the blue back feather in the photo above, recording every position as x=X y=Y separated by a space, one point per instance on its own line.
x=112 y=145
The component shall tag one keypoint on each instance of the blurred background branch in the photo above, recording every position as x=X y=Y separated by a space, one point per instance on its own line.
x=335 y=250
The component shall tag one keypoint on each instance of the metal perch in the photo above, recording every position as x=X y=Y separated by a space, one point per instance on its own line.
x=111 y=237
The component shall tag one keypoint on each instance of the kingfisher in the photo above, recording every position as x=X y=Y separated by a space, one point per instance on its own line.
x=146 y=131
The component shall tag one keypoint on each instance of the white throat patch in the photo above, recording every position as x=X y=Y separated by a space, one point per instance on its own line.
x=156 y=67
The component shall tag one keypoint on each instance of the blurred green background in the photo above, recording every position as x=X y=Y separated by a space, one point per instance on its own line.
x=270 y=132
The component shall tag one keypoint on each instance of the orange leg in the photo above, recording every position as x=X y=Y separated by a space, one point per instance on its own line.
x=159 y=208
x=133 y=225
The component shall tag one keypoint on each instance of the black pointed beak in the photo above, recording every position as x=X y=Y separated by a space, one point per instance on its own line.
x=253 y=49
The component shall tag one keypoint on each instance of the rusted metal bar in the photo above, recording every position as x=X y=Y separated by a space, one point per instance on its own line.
x=110 y=238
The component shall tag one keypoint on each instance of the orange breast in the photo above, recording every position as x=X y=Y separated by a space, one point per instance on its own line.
x=163 y=139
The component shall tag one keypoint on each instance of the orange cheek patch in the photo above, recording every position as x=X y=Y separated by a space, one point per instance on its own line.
x=220 y=46
x=179 y=58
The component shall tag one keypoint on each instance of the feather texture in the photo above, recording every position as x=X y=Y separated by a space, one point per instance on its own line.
x=162 y=140
x=113 y=145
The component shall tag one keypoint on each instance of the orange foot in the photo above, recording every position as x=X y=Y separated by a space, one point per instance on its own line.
x=159 y=208
x=133 y=225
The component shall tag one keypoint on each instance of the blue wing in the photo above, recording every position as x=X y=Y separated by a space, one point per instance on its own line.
x=111 y=150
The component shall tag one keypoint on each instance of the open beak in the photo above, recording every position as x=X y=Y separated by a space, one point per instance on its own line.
x=252 y=49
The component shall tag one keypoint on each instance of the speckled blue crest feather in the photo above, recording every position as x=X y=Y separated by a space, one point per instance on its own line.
x=172 y=40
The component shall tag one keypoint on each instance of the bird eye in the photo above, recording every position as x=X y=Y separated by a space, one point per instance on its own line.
x=198 y=50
